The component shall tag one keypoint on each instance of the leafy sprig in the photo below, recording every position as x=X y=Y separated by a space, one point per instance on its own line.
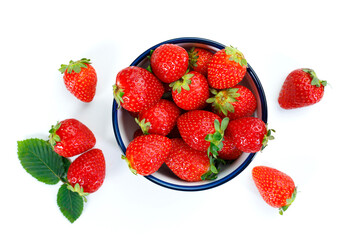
x=39 y=159
x=216 y=145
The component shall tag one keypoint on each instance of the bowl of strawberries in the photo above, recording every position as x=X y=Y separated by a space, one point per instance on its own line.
x=189 y=114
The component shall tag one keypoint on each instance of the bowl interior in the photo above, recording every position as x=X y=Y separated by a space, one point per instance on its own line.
x=125 y=126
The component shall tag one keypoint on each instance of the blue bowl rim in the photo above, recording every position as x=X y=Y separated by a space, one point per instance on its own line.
x=213 y=183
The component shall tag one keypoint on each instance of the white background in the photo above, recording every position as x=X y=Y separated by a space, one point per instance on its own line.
x=316 y=145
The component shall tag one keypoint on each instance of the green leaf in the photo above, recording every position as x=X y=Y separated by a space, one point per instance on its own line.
x=217 y=136
x=71 y=204
x=216 y=125
x=66 y=163
x=39 y=159
x=224 y=123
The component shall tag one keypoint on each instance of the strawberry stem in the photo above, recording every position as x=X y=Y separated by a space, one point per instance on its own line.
x=315 y=80
x=236 y=55
x=78 y=189
x=184 y=83
x=129 y=165
x=216 y=143
x=53 y=137
x=288 y=202
x=145 y=126
x=267 y=137
x=215 y=165
x=193 y=57
x=74 y=66
x=118 y=95
x=222 y=100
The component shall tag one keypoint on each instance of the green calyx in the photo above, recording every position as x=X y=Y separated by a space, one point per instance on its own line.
x=74 y=66
x=118 y=95
x=267 y=137
x=129 y=165
x=78 y=189
x=182 y=83
x=193 y=57
x=288 y=202
x=236 y=55
x=145 y=126
x=314 y=79
x=222 y=100
x=53 y=137
x=215 y=165
x=216 y=143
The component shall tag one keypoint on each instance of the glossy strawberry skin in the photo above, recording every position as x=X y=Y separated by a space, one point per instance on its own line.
x=137 y=89
x=83 y=84
x=195 y=125
x=199 y=59
x=244 y=106
x=186 y=162
x=169 y=62
x=88 y=170
x=161 y=117
x=297 y=90
x=229 y=150
x=196 y=96
x=70 y=137
x=224 y=73
x=274 y=186
x=145 y=154
x=247 y=133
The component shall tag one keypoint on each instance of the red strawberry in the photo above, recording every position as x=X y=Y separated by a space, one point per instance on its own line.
x=159 y=119
x=191 y=91
x=276 y=188
x=235 y=102
x=229 y=150
x=301 y=88
x=199 y=59
x=186 y=162
x=226 y=68
x=70 y=137
x=200 y=128
x=169 y=62
x=88 y=171
x=80 y=79
x=249 y=134
x=137 y=89
x=145 y=154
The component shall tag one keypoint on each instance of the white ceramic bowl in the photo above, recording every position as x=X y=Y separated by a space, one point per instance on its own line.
x=125 y=126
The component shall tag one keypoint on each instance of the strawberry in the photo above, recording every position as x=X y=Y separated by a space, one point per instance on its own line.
x=195 y=125
x=70 y=137
x=203 y=131
x=226 y=68
x=229 y=150
x=169 y=62
x=145 y=154
x=249 y=134
x=159 y=119
x=186 y=162
x=137 y=89
x=275 y=187
x=88 y=171
x=199 y=59
x=191 y=91
x=235 y=102
x=80 y=79
x=301 y=88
